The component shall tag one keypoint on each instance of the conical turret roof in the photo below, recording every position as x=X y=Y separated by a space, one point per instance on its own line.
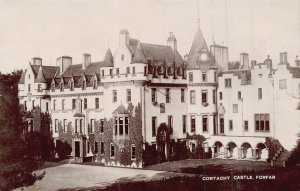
x=40 y=78
x=198 y=45
x=108 y=59
x=139 y=56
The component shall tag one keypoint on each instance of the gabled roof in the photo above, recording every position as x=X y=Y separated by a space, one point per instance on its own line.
x=133 y=43
x=120 y=110
x=22 y=78
x=198 y=45
x=40 y=76
x=139 y=56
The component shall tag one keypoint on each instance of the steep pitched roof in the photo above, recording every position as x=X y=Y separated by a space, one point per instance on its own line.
x=133 y=43
x=40 y=76
x=22 y=78
x=139 y=56
x=108 y=59
x=198 y=44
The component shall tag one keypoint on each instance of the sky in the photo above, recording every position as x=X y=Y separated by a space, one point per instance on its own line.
x=53 y=28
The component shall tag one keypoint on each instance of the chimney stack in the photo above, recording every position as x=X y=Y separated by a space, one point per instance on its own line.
x=36 y=61
x=63 y=62
x=285 y=57
x=244 y=60
x=172 y=42
x=253 y=63
x=297 y=61
x=86 y=60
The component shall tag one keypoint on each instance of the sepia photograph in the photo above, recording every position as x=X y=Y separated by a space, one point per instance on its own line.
x=150 y=95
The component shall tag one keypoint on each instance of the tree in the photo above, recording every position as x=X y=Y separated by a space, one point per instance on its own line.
x=16 y=166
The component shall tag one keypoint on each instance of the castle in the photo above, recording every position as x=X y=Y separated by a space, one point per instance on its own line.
x=113 y=108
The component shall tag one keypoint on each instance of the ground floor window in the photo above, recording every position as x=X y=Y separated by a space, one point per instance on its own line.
x=221 y=125
x=204 y=123
x=101 y=147
x=133 y=152
x=112 y=150
x=193 y=124
x=96 y=147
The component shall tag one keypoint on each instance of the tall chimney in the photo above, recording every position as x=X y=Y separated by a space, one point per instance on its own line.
x=297 y=61
x=172 y=42
x=124 y=37
x=253 y=63
x=285 y=57
x=244 y=60
x=36 y=61
x=86 y=60
x=63 y=62
x=281 y=57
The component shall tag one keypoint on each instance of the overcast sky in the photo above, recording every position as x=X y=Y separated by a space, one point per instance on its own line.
x=52 y=28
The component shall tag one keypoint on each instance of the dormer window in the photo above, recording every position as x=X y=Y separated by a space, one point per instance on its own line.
x=39 y=87
x=95 y=84
x=204 y=77
x=71 y=86
x=102 y=73
x=128 y=70
x=83 y=85
x=61 y=87
x=53 y=87
x=29 y=87
x=117 y=71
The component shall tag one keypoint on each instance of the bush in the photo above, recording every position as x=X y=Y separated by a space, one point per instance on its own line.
x=63 y=149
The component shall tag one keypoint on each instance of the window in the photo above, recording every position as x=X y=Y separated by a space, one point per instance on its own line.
x=92 y=126
x=102 y=71
x=72 y=86
x=25 y=105
x=55 y=125
x=145 y=70
x=73 y=104
x=228 y=83
x=193 y=124
x=120 y=125
x=116 y=125
x=114 y=95
x=182 y=96
x=282 y=84
x=234 y=108
x=204 y=77
x=133 y=152
x=32 y=104
x=170 y=123
x=61 y=87
x=215 y=76
x=65 y=125
x=52 y=87
x=153 y=126
x=96 y=103
x=220 y=95
x=133 y=70
x=29 y=87
x=262 y=122
x=83 y=85
x=221 y=125
x=129 y=95
x=204 y=96
x=162 y=108
x=214 y=96
x=153 y=94
x=193 y=147
x=204 y=123
x=122 y=57
x=246 y=127
x=39 y=87
x=63 y=104
x=111 y=72
x=76 y=125
x=80 y=125
x=94 y=84
x=101 y=125
x=259 y=93
x=29 y=76
x=126 y=125
x=47 y=106
x=184 y=123
x=128 y=70
x=239 y=95
x=112 y=150
x=101 y=147
x=54 y=104
x=192 y=97
x=230 y=125
x=96 y=147
x=168 y=100
x=191 y=77
x=117 y=71
x=85 y=103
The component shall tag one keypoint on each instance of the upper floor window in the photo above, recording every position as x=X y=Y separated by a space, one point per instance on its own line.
x=168 y=100
x=71 y=86
x=230 y=125
x=153 y=94
x=259 y=93
x=28 y=76
x=184 y=123
x=85 y=103
x=220 y=95
x=128 y=95
x=221 y=124
x=182 y=95
x=262 y=122
x=228 y=83
x=54 y=104
x=282 y=84
x=121 y=125
x=29 y=87
x=101 y=125
x=204 y=96
x=133 y=70
x=133 y=152
x=114 y=95
x=214 y=96
x=95 y=84
x=53 y=87
x=145 y=70
x=47 y=106
x=39 y=87
x=102 y=71
x=192 y=97
x=204 y=123
x=117 y=71
x=61 y=87
x=234 y=108
x=83 y=85
x=73 y=103
x=215 y=76
x=63 y=104
x=191 y=79
x=92 y=125
x=122 y=57
x=111 y=72
x=204 y=77
x=246 y=125
x=239 y=95
x=96 y=103
x=128 y=70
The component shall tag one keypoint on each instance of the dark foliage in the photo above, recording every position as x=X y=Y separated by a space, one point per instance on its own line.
x=63 y=149
x=16 y=165
x=295 y=155
x=273 y=146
